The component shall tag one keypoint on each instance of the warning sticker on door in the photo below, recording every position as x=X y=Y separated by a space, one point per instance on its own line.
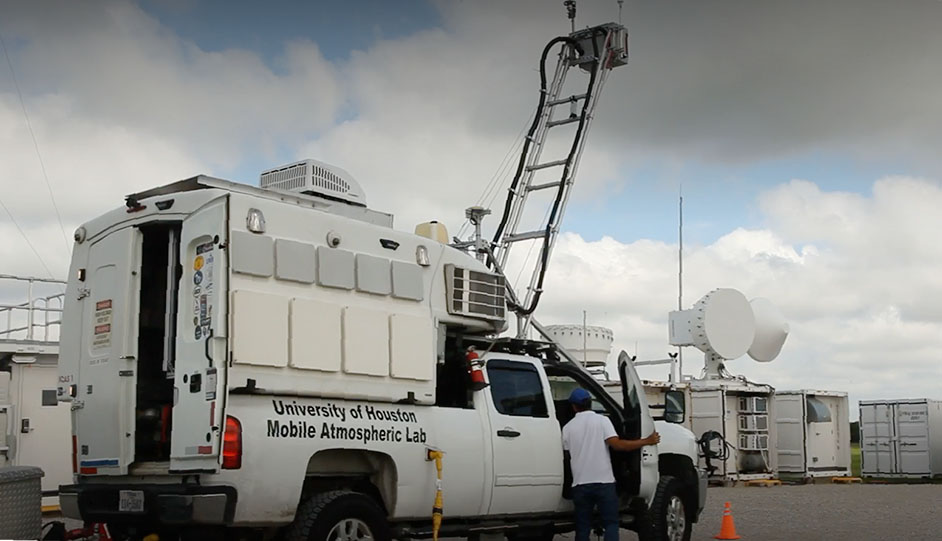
x=102 y=326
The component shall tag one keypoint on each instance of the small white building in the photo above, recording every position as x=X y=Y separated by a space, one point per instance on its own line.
x=901 y=438
x=34 y=425
x=813 y=433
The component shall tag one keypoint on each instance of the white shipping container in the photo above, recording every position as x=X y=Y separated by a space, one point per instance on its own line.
x=738 y=411
x=901 y=438
x=813 y=433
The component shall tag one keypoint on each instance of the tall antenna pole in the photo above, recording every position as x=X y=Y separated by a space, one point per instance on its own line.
x=680 y=276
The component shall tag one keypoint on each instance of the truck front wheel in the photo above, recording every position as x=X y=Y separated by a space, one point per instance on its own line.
x=669 y=519
x=338 y=515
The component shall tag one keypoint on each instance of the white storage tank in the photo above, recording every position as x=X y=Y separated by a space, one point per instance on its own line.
x=590 y=344
x=901 y=438
x=740 y=412
x=812 y=433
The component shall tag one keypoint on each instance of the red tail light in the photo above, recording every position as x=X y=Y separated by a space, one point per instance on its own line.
x=232 y=444
x=74 y=454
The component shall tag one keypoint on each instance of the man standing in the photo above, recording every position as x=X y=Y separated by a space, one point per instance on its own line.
x=587 y=437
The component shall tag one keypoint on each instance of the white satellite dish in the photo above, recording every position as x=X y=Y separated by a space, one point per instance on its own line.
x=725 y=326
x=771 y=330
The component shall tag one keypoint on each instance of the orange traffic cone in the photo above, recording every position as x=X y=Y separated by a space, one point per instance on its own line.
x=727 y=528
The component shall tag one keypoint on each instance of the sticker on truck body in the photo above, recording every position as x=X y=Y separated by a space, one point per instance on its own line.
x=102 y=326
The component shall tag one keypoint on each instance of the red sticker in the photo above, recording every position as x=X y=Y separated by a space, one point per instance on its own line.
x=205 y=449
x=102 y=305
x=99 y=329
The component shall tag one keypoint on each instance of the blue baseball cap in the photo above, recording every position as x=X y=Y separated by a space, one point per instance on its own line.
x=579 y=395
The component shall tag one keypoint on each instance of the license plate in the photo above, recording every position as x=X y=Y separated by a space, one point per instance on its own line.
x=131 y=501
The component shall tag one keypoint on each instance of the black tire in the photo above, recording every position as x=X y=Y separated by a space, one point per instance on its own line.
x=322 y=513
x=669 y=519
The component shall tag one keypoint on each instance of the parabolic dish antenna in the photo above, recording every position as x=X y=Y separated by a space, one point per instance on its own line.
x=771 y=330
x=726 y=324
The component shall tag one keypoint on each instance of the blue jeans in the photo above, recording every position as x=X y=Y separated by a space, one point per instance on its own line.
x=586 y=498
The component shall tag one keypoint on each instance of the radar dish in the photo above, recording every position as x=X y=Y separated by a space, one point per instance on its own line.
x=771 y=331
x=728 y=325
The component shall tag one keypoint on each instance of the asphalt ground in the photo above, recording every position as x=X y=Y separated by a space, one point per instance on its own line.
x=813 y=512
x=823 y=511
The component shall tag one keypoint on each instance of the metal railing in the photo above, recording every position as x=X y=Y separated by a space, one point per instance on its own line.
x=35 y=318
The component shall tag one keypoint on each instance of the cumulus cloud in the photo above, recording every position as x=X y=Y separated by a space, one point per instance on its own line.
x=119 y=102
x=862 y=304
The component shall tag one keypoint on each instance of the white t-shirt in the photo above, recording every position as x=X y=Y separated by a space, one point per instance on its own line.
x=584 y=437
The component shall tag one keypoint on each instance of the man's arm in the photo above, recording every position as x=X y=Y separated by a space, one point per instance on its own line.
x=619 y=444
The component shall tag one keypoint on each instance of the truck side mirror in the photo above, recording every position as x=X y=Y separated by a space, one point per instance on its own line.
x=674 y=407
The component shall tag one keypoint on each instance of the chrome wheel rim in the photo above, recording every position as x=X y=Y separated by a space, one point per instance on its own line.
x=350 y=529
x=676 y=519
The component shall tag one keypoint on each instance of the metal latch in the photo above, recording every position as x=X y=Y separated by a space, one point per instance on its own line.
x=77 y=405
x=84 y=292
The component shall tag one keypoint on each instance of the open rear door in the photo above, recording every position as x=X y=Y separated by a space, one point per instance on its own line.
x=200 y=364
x=790 y=425
x=638 y=424
x=105 y=395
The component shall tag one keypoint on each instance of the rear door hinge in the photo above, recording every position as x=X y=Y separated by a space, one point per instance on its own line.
x=84 y=292
x=77 y=405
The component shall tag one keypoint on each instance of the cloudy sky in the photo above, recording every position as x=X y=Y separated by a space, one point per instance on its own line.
x=805 y=136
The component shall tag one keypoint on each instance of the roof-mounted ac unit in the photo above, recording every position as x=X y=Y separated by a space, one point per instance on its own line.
x=311 y=177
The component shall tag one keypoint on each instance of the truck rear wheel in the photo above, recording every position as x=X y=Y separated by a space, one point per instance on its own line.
x=339 y=515
x=669 y=519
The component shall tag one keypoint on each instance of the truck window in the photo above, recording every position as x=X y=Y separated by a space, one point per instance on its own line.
x=516 y=389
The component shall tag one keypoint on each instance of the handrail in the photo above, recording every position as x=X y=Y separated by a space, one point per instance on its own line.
x=48 y=307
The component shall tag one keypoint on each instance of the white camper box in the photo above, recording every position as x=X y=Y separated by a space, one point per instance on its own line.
x=740 y=412
x=901 y=438
x=812 y=433
x=34 y=425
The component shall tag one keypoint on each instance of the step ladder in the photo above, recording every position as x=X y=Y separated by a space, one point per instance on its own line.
x=596 y=50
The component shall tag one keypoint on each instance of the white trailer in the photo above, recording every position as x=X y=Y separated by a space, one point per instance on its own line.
x=34 y=426
x=812 y=433
x=901 y=438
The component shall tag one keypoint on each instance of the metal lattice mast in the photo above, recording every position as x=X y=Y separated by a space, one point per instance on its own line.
x=596 y=50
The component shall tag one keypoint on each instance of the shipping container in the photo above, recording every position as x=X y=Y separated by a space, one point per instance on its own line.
x=739 y=413
x=901 y=438
x=812 y=433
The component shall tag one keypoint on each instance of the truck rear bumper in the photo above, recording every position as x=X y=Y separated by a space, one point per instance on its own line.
x=165 y=504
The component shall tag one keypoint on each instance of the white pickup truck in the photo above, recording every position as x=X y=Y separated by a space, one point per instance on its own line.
x=252 y=363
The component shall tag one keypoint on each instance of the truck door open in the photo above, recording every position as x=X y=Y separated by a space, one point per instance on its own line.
x=105 y=398
x=639 y=424
x=201 y=347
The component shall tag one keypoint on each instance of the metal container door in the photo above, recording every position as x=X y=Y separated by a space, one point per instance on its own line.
x=790 y=424
x=912 y=438
x=878 y=450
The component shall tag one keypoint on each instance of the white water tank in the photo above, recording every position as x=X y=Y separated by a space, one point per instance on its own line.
x=594 y=348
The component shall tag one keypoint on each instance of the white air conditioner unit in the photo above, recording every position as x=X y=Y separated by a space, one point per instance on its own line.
x=754 y=423
x=753 y=442
x=753 y=404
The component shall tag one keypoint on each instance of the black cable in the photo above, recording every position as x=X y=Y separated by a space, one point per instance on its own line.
x=560 y=192
x=529 y=138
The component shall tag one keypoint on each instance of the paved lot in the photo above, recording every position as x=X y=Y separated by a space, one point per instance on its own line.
x=852 y=512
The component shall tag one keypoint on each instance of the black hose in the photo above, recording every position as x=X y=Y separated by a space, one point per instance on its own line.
x=529 y=138
x=560 y=192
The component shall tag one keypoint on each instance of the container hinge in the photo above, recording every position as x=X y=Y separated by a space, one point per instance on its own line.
x=77 y=405
x=84 y=292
